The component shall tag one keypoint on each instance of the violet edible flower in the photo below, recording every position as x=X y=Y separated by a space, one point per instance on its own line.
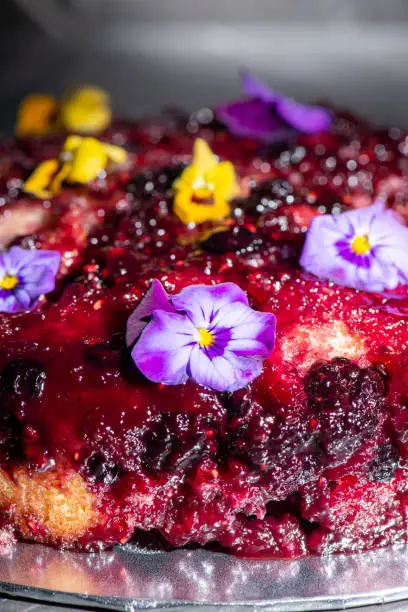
x=205 y=333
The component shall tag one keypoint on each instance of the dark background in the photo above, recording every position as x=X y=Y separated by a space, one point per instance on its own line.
x=149 y=53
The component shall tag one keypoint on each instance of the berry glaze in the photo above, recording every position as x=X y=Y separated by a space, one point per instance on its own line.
x=310 y=458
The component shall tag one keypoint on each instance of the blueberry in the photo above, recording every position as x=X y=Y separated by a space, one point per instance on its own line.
x=24 y=378
x=383 y=467
x=101 y=470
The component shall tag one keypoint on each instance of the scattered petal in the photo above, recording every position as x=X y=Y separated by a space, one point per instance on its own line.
x=269 y=116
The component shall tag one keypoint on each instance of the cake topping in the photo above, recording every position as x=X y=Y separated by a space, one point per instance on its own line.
x=25 y=275
x=81 y=160
x=85 y=109
x=365 y=249
x=269 y=116
x=205 y=333
x=204 y=188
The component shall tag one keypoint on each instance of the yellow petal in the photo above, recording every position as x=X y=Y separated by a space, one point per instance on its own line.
x=35 y=115
x=203 y=158
x=72 y=143
x=86 y=110
x=191 y=212
x=62 y=175
x=39 y=181
x=89 y=160
x=115 y=154
x=224 y=179
x=186 y=179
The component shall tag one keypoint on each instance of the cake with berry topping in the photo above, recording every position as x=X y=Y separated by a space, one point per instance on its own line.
x=204 y=328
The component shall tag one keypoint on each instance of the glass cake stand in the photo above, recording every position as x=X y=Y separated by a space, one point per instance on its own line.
x=128 y=579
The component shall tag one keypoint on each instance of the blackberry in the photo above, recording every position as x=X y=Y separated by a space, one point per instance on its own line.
x=347 y=401
x=172 y=441
x=326 y=201
x=281 y=447
x=269 y=196
x=230 y=241
x=154 y=181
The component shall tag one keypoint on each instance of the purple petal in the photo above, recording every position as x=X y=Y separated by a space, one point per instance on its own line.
x=155 y=298
x=304 y=117
x=252 y=333
x=25 y=300
x=202 y=303
x=48 y=259
x=9 y=302
x=253 y=88
x=36 y=272
x=16 y=259
x=224 y=373
x=37 y=280
x=255 y=119
x=164 y=347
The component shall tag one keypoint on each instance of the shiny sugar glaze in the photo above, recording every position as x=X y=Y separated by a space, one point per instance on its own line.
x=311 y=457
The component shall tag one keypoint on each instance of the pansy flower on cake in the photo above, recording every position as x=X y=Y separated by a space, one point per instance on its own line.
x=270 y=116
x=81 y=160
x=365 y=249
x=208 y=334
x=25 y=275
x=205 y=187
x=85 y=110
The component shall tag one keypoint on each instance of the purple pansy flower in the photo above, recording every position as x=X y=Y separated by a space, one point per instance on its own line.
x=25 y=275
x=205 y=333
x=366 y=249
x=269 y=116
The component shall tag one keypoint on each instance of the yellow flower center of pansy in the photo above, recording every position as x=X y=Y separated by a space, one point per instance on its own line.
x=203 y=196
x=360 y=244
x=8 y=282
x=206 y=338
